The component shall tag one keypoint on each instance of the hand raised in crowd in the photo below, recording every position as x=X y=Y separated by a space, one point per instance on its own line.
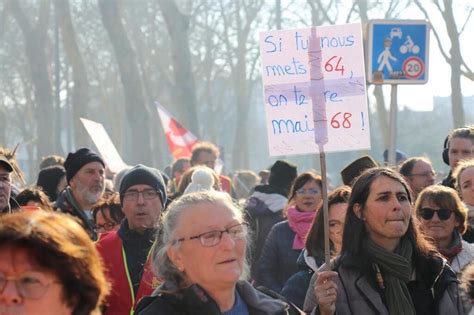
x=325 y=290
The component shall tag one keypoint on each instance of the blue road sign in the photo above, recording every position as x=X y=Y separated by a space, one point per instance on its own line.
x=398 y=52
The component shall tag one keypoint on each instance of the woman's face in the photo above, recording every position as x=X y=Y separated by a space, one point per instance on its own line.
x=387 y=212
x=43 y=286
x=308 y=197
x=214 y=267
x=440 y=230
x=337 y=217
x=466 y=185
x=104 y=223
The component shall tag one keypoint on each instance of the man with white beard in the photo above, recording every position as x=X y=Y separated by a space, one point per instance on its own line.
x=85 y=174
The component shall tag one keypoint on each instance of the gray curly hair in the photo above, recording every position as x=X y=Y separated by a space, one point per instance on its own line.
x=163 y=267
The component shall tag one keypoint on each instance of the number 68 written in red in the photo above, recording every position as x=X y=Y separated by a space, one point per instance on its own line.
x=336 y=122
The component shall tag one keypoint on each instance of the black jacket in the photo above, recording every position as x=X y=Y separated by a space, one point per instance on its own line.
x=278 y=260
x=263 y=210
x=195 y=301
x=137 y=246
x=66 y=204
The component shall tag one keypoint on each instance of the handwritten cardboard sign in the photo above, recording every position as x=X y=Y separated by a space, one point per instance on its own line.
x=105 y=146
x=289 y=89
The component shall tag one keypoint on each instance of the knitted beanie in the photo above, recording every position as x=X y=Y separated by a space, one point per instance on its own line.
x=143 y=175
x=76 y=160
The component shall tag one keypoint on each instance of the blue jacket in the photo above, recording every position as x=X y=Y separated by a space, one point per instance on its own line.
x=296 y=287
x=278 y=259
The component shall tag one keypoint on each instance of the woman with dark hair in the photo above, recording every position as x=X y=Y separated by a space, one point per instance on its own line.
x=386 y=266
x=443 y=217
x=107 y=214
x=52 y=180
x=48 y=265
x=33 y=199
x=278 y=261
x=312 y=256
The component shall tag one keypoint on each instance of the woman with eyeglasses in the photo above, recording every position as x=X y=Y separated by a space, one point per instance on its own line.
x=386 y=265
x=284 y=243
x=48 y=265
x=444 y=218
x=200 y=255
x=107 y=215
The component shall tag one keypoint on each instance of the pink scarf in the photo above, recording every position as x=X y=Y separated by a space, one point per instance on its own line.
x=300 y=223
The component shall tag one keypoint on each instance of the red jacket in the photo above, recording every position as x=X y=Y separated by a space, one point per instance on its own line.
x=122 y=299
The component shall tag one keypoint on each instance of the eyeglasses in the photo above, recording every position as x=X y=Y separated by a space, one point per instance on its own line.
x=107 y=226
x=312 y=191
x=147 y=194
x=425 y=174
x=30 y=285
x=428 y=213
x=212 y=238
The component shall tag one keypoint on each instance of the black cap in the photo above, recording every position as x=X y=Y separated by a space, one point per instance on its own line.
x=282 y=174
x=6 y=163
x=76 y=160
x=143 y=175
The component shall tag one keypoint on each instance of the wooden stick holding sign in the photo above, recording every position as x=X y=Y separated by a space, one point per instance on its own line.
x=316 y=92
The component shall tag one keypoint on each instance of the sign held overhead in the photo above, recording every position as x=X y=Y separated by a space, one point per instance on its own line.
x=290 y=88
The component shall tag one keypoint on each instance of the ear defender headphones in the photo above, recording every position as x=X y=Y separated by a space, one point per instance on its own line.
x=470 y=131
x=446 y=151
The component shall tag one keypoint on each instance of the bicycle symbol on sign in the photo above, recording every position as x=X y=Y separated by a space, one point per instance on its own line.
x=409 y=46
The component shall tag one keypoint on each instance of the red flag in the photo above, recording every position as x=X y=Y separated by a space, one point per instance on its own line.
x=180 y=140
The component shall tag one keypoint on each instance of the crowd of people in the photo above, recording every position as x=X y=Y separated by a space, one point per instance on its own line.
x=187 y=240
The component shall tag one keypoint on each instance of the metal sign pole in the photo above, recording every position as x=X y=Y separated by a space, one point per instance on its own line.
x=393 y=126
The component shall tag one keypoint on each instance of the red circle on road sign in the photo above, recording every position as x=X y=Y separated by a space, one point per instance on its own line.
x=413 y=67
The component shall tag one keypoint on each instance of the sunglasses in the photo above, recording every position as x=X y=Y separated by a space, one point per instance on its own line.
x=428 y=213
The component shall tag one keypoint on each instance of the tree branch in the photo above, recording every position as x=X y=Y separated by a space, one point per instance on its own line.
x=465 y=22
x=438 y=39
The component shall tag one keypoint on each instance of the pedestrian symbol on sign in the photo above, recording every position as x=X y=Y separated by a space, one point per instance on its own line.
x=385 y=56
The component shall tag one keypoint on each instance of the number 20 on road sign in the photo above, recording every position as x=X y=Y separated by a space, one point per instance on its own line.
x=413 y=67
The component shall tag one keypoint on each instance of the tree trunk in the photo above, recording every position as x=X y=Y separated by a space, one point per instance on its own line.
x=137 y=111
x=80 y=94
x=35 y=41
x=455 y=64
x=184 y=88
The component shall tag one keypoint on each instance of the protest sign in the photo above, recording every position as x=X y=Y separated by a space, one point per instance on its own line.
x=289 y=90
x=105 y=146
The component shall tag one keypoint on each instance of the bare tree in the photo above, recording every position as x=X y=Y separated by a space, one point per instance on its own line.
x=454 y=57
x=80 y=94
x=136 y=107
x=35 y=39
x=184 y=87
x=238 y=20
